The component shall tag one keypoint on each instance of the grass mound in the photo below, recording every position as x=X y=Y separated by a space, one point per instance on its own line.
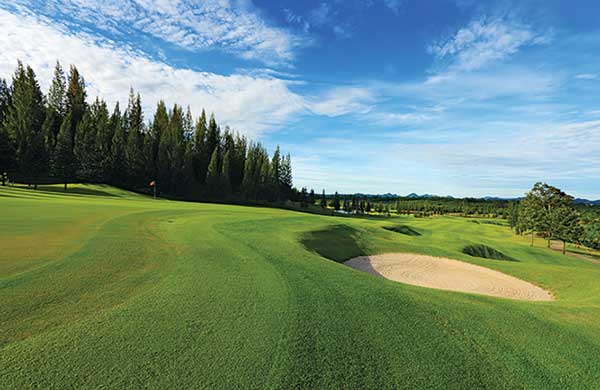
x=485 y=252
x=403 y=229
x=338 y=242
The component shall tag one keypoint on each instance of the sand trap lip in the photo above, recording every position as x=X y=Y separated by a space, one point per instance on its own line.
x=447 y=274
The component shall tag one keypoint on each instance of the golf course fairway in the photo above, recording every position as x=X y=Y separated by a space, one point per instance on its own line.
x=102 y=288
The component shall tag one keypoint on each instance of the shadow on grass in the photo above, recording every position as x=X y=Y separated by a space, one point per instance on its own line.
x=337 y=242
x=403 y=229
x=73 y=191
x=485 y=252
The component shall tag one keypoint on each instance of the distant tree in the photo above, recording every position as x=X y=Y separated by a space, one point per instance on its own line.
x=117 y=151
x=175 y=148
x=565 y=225
x=103 y=141
x=159 y=166
x=224 y=178
x=591 y=235
x=275 y=179
x=75 y=103
x=336 y=201
x=213 y=173
x=304 y=198
x=201 y=154
x=311 y=197
x=544 y=210
x=56 y=107
x=8 y=161
x=64 y=165
x=213 y=136
x=134 y=128
x=286 y=175
x=23 y=123
x=513 y=216
x=188 y=124
x=238 y=163
x=7 y=155
x=4 y=100
x=323 y=200
x=85 y=148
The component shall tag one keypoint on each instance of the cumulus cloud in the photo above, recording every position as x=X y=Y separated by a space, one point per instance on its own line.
x=250 y=103
x=212 y=24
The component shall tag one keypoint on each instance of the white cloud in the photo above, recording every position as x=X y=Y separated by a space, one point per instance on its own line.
x=586 y=76
x=343 y=100
x=485 y=41
x=251 y=104
x=397 y=119
x=223 y=24
x=394 y=5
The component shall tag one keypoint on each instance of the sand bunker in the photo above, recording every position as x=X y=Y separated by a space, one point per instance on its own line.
x=447 y=274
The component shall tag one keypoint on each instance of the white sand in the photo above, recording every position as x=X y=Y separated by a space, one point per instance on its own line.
x=447 y=274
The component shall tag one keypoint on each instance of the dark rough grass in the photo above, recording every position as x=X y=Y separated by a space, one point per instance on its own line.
x=337 y=242
x=403 y=229
x=485 y=252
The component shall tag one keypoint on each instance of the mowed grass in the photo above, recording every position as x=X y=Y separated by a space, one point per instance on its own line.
x=100 y=288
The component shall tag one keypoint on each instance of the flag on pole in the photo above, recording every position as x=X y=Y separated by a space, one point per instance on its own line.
x=152 y=183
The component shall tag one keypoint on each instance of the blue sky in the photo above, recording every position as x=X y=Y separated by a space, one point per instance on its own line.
x=457 y=97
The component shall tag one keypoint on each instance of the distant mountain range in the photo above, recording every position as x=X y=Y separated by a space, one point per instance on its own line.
x=587 y=201
x=422 y=196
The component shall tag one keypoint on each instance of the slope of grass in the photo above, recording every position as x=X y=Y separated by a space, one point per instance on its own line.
x=121 y=291
x=403 y=229
x=485 y=252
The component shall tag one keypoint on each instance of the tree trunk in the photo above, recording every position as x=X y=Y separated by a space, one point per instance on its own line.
x=65 y=186
x=35 y=186
x=549 y=241
x=531 y=238
x=564 y=247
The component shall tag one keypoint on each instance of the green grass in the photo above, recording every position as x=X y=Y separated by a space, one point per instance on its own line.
x=485 y=252
x=104 y=289
x=403 y=229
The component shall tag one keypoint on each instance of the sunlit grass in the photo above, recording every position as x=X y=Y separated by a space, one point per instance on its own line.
x=103 y=288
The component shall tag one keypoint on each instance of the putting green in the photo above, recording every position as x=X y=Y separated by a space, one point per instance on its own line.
x=100 y=288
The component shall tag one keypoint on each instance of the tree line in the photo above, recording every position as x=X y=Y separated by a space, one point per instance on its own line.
x=419 y=206
x=61 y=137
x=548 y=212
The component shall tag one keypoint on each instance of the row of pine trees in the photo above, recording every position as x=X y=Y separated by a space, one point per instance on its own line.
x=60 y=137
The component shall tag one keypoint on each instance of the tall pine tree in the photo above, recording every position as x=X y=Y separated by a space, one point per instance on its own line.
x=134 y=124
x=23 y=124
x=213 y=174
x=7 y=149
x=56 y=107
x=117 y=151
x=64 y=164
